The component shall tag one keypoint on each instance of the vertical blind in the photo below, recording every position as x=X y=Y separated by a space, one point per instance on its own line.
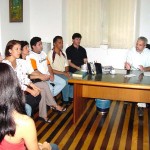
x=121 y=25
x=109 y=22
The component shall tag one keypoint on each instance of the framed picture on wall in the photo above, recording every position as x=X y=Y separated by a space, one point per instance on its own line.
x=16 y=10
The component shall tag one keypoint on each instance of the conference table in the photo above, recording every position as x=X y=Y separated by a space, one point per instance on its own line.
x=108 y=86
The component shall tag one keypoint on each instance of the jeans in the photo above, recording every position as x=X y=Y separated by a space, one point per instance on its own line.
x=28 y=109
x=67 y=91
x=59 y=84
x=54 y=147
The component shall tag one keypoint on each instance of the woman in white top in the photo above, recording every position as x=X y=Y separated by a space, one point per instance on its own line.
x=12 y=53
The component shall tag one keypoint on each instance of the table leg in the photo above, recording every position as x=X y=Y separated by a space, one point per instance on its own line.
x=79 y=104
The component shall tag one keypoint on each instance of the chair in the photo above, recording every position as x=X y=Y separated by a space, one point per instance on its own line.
x=148 y=46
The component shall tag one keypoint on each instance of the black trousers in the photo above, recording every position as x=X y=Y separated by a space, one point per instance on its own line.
x=33 y=101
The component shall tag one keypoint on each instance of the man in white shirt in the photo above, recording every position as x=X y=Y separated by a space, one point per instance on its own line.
x=40 y=63
x=138 y=58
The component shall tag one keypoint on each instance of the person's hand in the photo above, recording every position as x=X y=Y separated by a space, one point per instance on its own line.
x=141 y=77
x=1 y=58
x=44 y=146
x=40 y=146
x=34 y=87
x=127 y=66
x=51 y=77
x=67 y=74
x=44 y=77
x=34 y=92
x=141 y=68
x=78 y=68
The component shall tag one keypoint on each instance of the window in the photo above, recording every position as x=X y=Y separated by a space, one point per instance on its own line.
x=111 y=22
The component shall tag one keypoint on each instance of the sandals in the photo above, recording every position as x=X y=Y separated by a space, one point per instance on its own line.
x=45 y=121
x=56 y=108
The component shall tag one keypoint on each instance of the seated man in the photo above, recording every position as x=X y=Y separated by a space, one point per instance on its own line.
x=60 y=67
x=76 y=54
x=139 y=59
x=40 y=63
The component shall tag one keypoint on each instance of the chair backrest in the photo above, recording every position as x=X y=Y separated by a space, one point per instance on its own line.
x=148 y=46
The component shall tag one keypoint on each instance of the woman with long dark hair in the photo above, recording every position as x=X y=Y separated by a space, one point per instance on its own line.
x=15 y=127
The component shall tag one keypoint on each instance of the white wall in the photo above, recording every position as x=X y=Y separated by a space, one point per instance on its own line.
x=145 y=19
x=9 y=31
x=113 y=57
x=46 y=19
x=0 y=32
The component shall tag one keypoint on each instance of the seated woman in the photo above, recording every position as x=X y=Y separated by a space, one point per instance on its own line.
x=37 y=77
x=27 y=106
x=12 y=53
x=16 y=127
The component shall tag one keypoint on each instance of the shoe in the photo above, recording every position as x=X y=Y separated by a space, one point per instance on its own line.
x=56 y=108
x=147 y=105
x=66 y=102
x=63 y=110
x=70 y=99
x=140 y=111
x=46 y=121
x=127 y=103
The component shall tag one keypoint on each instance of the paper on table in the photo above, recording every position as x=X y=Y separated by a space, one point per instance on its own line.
x=130 y=75
x=120 y=71
x=146 y=73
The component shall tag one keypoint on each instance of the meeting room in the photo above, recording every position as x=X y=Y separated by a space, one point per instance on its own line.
x=74 y=75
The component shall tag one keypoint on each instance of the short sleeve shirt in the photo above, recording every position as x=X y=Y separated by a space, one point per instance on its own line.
x=29 y=65
x=39 y=62
x=135 y=58
x=60 y=61
x=76 y=56
x=21 y=71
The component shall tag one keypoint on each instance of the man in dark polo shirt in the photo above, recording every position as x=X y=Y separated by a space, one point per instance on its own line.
x=76 y=54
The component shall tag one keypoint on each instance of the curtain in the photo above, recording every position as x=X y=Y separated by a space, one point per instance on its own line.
x=121 y=25
x=83 y=16
x=101 y=22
